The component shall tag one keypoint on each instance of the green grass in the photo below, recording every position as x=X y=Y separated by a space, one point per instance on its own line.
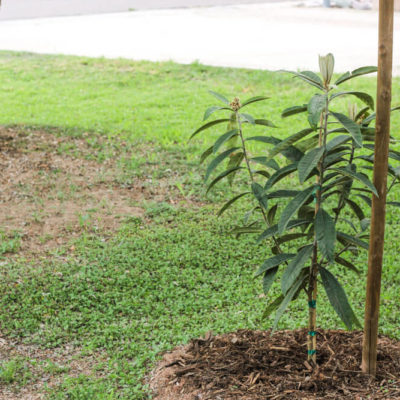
x=176 y=273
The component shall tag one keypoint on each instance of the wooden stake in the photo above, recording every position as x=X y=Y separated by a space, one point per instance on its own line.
x=375 y=258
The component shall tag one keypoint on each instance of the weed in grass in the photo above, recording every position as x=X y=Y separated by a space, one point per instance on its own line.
x=15 y=370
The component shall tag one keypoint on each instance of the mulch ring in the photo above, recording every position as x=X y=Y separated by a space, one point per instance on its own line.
x=259 y=365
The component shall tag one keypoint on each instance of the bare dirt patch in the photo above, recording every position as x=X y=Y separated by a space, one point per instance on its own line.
x=52 y=188
x=256 y=365
x=35 y=369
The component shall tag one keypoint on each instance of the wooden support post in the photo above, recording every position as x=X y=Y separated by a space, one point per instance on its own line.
x=375 y=258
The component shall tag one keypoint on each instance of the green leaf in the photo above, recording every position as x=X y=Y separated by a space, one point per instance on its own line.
x=282 y=193
x=294 y=110
x=295 y=267
x=265 y=139
x=371 y=117
x=273 y=230
x=290 y=237
x=247 y=118
x=309 y=162
x=325 y=233
x=336 y=142
x=272 y=307
x=345 y=171
x=260 y=194
x=268 y=279
x=212 y=110
x=254 y=100
x=224 y=138
x=289 y=142
x=234 y=161
x=351 y=127
x=365 y=198
x=352 y=240
x=230 y=202
x=209 y=125
x=273 y=262
x=218 y=160
x=357 y=72
x=220 y=97
x=264 y=122
x=271 y=214
x=206 y=154
x=309 y=77
x=315 y=107
x=280 y=174
x=365 y=97
x=293 y=206
x=266 y=161
x=288 y=298
x=221 y=176
x=393 y=203
x=356 y=209
x=347 y=264
x=338 y=299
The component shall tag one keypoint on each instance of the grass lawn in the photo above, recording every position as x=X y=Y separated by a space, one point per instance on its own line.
x=166 y=275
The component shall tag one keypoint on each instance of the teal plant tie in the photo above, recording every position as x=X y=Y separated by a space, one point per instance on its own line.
x=311 y=352
x=312 y=333
x=312 y=304
x=314 y=192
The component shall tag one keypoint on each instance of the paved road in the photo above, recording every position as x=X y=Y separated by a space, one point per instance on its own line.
x=267 y=36
x=22 y=9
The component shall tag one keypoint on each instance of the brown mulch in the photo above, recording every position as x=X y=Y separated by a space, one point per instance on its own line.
x=259 y=365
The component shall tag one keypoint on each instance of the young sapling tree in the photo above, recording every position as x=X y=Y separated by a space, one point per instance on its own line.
x=310 y=227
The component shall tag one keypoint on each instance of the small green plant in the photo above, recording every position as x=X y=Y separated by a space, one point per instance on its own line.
x=311 y=226
x=14 y=371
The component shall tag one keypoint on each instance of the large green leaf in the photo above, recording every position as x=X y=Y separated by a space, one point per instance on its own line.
x=309 y=77
x=247 y=118
x=348 y=239
x=220 y=97
x=295 y=267
x=273 y=230
x=212 y=110
x=365 y=97
x=266 y=162
x=293 y=206
x=254 y=100
x=282 y=193
x=234 y=161
x=288 y=298
x=260 y=194
x=273 y=306
x=218 y=160
x=325 y=233
x=338 y=299
x=221 y=176
x=315 y=107
x=351 y=127
x=268 y=279
x=273 y=262
x=264 y=122
x=209 y=125
x=294 y=110
x=206 y=154
x=230 y=202
x=357 y=72
x=336 y=142
x=345 y=171
x=347 y=264
x=271 y=214
x=224 y=138
x=309 y=162
x=289 y=141
x=280 y=174
x=356 y=209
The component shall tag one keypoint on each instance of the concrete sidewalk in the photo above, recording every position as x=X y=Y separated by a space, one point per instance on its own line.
x=267 y=36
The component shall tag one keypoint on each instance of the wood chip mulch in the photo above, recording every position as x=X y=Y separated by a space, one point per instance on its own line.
x=259 y=365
